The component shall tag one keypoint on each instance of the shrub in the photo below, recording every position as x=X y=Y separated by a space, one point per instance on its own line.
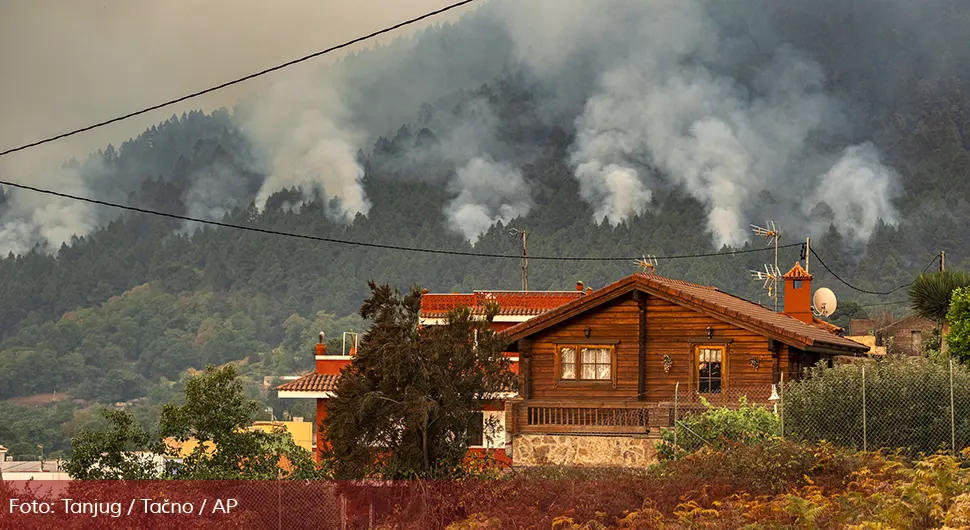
x=907 y=405
x=716 y=427
x=772 y=466
x=958 y=339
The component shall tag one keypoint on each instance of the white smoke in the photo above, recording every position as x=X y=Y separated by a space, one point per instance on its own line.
x=487 y=192
x=300 y=124
x=666 y=112
x=30 y=218
x=858 y=188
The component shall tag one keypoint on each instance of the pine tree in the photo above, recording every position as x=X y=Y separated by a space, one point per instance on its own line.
x=404 y=404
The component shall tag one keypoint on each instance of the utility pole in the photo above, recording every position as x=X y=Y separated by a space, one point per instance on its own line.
x=525 y=256
x=942 y=261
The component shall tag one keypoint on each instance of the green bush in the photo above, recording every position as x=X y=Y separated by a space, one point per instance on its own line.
x=958 y=339
x=907 y=405
x=716 y=427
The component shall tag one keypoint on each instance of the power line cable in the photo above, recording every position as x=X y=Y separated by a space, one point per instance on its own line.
x=241 y=79
x=853 y=287
x=366 y=244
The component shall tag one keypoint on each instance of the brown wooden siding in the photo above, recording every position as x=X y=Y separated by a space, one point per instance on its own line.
x=614 y=321
x=671 y=330
x=674 y=330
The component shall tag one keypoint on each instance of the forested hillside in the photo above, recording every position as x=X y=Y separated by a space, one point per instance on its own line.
x=120 y=312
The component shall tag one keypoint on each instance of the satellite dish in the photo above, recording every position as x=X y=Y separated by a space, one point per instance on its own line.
x=824 y=302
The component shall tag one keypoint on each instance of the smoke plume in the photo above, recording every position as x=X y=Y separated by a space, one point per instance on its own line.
x=669 y=109
x=487 y=192
x=28 y=218
x=731 y=102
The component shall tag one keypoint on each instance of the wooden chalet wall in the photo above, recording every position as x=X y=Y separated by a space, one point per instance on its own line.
x=668 y=329
x=675 y=331
x=617 y=320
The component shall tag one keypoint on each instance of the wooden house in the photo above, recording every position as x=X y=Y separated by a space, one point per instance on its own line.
x=600 y=375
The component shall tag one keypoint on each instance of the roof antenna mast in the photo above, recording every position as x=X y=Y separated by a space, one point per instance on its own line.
x=772 y=273
x=523 y=235
x=646 y=264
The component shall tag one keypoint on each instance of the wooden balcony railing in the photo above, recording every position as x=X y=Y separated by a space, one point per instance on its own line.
x=581 y=417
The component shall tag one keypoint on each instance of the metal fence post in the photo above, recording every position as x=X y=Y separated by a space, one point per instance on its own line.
x=781 y=409
x=865 y=444
x=676 y=417
x=953 y=416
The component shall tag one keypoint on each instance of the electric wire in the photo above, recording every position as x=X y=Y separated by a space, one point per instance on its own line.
x=367 y=244
x=437 y=251
x=240 y=79
x=853 y=287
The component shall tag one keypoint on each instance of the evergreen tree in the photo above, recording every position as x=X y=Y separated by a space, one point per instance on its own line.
x=403 y=406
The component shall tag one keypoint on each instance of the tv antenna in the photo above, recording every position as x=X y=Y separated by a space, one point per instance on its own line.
x=772 y=274
x=523 y=235
x=647 y=264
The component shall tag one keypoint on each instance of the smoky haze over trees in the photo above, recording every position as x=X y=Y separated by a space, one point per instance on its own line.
x=604 y=128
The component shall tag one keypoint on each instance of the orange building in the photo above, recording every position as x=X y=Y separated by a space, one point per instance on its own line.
x=321 y=383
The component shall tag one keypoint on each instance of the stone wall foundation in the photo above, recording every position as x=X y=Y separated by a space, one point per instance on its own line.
x=583 y=450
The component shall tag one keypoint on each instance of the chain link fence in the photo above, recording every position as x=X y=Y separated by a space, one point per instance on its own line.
x=915 y=406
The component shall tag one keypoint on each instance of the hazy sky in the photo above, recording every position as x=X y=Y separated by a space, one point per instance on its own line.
x=68 y=64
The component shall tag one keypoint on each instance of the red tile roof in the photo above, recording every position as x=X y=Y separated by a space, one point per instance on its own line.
x=312 y=383
x=510 y=302
x=827 y=326
x=702 y=298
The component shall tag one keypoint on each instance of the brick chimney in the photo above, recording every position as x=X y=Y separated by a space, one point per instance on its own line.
x=798 y=294
x=319 y=351
x=329 y=364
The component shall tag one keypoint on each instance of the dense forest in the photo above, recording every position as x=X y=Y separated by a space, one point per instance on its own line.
x=119 y=313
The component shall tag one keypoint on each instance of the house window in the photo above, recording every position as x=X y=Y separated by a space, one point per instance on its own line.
x=797 y=284
x=710 y=369
x=476 y=430
x=586 y=363
x=567 y=360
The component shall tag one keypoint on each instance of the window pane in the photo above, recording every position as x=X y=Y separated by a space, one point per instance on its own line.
x=715 y=386
x=715 y=369
x=589 y=356
x=569 y=371
x=589 y=371
x=603 y=357
x=568 y=355
x=716 y=356
x=602 y=371
x=704 y=386
x=705 y=370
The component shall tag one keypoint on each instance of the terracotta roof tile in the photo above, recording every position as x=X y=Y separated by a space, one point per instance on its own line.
x=312 y=383
x=797 y=273
x=528 y=303
x=702 y=297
